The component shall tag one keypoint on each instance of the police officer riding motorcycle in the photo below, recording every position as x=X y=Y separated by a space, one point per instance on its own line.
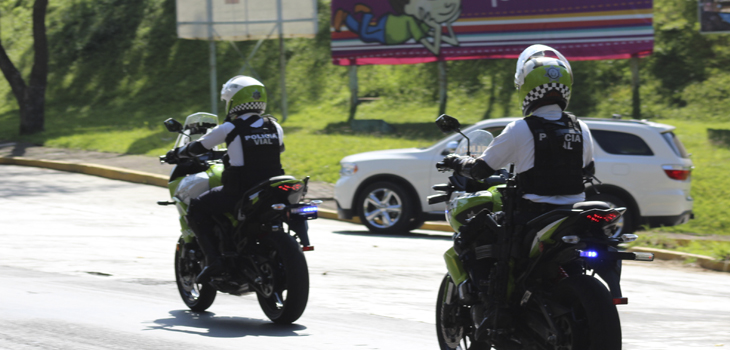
x=551 y=151
x=254 y=143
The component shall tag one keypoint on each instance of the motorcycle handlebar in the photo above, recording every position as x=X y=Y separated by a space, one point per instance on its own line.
x=442 y=167
x=163 y=159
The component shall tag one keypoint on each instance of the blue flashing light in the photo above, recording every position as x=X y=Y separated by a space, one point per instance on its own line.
x=589 y=254
x=312 y=209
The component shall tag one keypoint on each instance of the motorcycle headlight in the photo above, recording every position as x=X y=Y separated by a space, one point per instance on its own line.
x=348 y=169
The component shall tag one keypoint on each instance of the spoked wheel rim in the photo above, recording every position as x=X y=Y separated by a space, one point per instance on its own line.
x=452 y=332
x=187 y=271
x=273 y=287
x=383 y=208
x=197 y=296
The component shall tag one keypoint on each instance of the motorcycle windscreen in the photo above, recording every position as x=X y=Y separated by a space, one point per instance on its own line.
x=196 y=126
x=478 y=141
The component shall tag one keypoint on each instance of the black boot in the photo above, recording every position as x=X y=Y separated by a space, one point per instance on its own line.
x=213 y=260
x=496 y=317
x=211 y=269
x=488 y=323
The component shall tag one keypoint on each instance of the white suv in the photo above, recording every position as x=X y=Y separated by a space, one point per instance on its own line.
x=642 y=166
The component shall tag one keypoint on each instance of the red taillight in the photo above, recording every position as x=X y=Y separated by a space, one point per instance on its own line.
x=288 y=188
x=620 y=301
x=676 y=172
x=603 y=216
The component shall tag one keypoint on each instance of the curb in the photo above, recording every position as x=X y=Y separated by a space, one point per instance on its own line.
x=703 y=260
x=161 y=181
x=91 y=169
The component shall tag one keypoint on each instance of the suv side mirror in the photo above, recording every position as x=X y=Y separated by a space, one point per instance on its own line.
x=447 y=123
x=173 y=125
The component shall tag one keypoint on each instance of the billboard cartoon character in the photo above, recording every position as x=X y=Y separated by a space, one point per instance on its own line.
x=411 y=19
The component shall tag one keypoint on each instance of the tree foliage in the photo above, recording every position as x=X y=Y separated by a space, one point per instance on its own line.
x=30 y=96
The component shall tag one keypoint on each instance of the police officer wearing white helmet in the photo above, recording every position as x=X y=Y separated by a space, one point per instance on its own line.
x=552 y=152
x=254 y=143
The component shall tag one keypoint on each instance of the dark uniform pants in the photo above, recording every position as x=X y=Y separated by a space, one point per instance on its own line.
x=212 y=203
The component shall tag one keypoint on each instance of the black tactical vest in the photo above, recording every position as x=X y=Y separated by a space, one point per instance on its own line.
x=558 y=166
x=260 y=154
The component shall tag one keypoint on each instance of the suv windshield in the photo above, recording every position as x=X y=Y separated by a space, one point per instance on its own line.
x=675 y=144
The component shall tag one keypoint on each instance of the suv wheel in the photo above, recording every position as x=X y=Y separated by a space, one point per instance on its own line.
x=386 y=207
x=626 y=223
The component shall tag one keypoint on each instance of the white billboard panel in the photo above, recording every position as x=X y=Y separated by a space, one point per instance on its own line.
x=238 y=20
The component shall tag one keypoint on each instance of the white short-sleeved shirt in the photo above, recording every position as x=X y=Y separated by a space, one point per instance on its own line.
x=516 y=145
x=235 y=149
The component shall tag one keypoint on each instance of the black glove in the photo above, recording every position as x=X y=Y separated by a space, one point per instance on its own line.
x=171 y=156
x=452 y=161
x=473 y=168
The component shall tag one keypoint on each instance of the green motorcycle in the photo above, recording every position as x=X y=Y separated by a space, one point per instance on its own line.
x=542 y=290
x=260 y=253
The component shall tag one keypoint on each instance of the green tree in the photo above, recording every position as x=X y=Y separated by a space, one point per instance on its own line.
x=31 y=96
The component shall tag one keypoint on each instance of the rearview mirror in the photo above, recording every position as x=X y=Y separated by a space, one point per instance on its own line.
x=173 y=125
x=447 y=123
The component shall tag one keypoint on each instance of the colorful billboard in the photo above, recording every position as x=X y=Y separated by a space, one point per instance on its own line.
x=416 y=31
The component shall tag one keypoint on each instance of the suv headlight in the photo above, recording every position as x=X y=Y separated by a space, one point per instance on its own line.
x=348 y=169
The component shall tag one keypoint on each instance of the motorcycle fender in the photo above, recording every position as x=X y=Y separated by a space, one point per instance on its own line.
x=455 y=267
x=182 y=209
x=173 y=185
x=187 y=233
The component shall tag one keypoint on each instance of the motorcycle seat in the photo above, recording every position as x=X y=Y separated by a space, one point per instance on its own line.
x=280 y=178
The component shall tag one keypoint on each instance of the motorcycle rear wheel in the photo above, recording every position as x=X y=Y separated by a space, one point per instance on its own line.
x=197 y=296
x=285 y=278
x=593 y=322
x=452 y=333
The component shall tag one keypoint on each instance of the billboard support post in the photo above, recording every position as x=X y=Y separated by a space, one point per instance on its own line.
x=635 y=83
x=282 y=60
x=443 y=85
x=354 y=100
x=212 y=59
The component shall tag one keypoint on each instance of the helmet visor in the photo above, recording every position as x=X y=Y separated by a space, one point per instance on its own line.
x=537 y=51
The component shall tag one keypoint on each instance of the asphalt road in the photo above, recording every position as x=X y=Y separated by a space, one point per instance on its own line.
x=86 y=263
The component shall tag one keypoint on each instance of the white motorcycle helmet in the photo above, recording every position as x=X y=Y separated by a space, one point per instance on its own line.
x=243 y=94
x=541 y=79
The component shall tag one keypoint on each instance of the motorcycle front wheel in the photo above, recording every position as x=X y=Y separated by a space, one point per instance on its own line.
x=197 y=296
x=452 y=330
x=593 y=322
x=285 y=278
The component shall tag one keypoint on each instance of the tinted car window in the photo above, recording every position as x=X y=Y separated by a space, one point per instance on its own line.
x=675 y=144
x=614 y=142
